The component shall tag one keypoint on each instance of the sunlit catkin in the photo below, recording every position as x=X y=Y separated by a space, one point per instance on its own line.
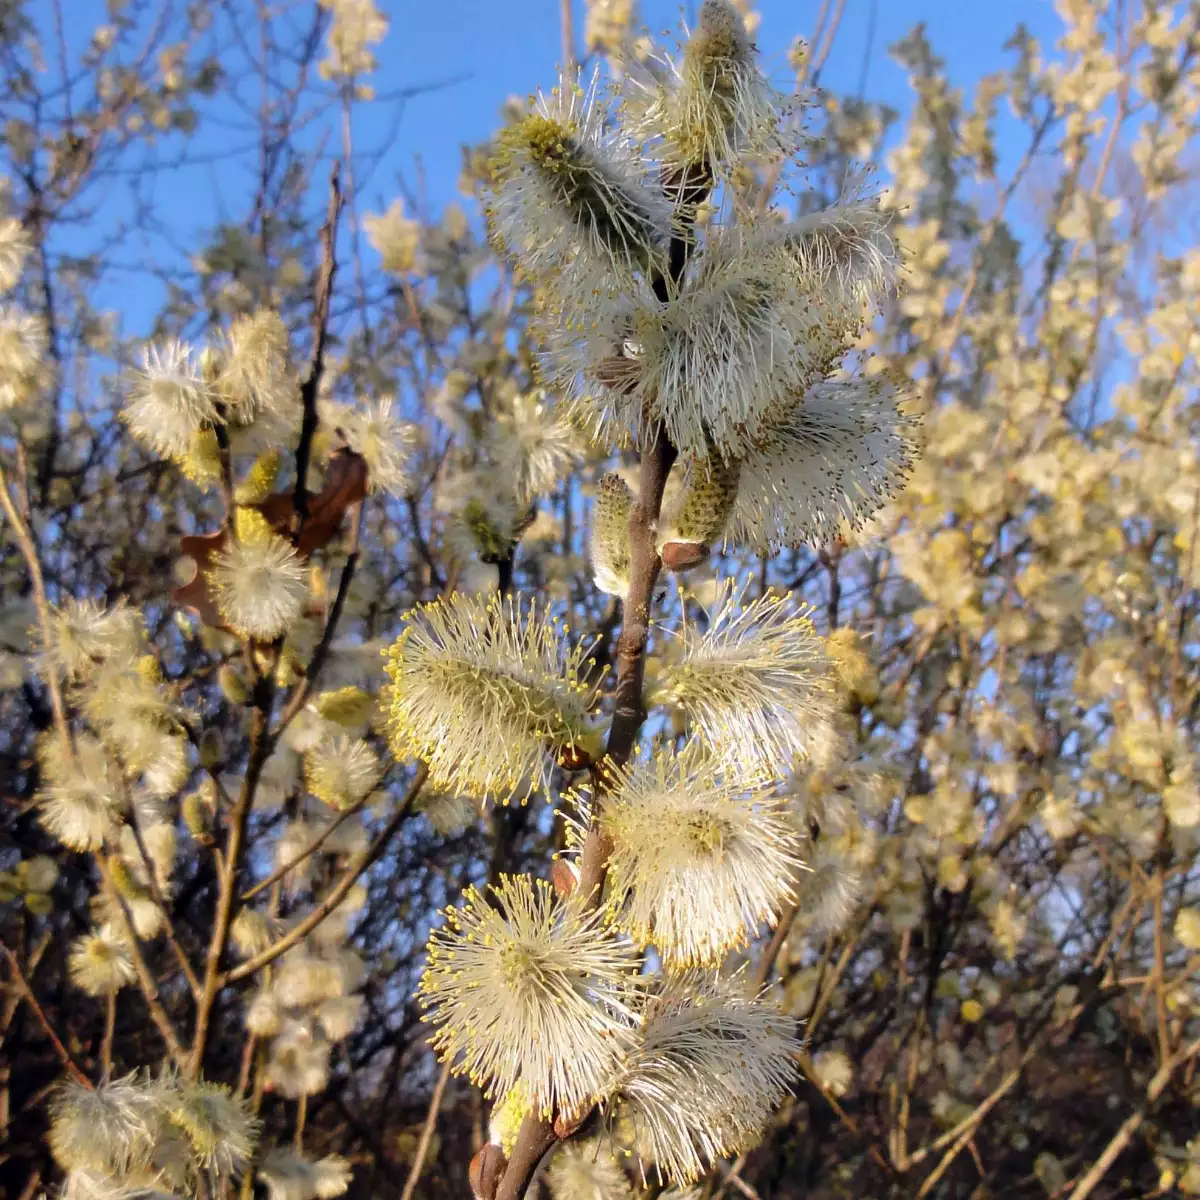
x=485 y=692
x=754 y=686
x=702 y=857
x=523 y=987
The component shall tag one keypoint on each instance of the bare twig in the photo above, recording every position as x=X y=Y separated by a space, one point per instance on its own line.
x=27 y=992
x=435 y=1102
x=33 y=564
x=316 y=664
x=146 y=981
x=307 y=852
x=106 y=1043
x=1132 y=1123
x=778 y=939
x=567 y=21
x=228 y=871
x=357 y=865
x=159 y=899
x=312 y=381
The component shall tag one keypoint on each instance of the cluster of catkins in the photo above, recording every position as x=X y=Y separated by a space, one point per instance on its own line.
x=167 y=1136
x=113 y=777
x=669 y=298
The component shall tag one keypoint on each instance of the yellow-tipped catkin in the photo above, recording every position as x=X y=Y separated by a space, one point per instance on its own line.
x=259 y=480
x=349 y=707
x=250 y=526
x=489 y=693
x=852 y=665
x=233 y=684
x=202 y=461
x=568 y=200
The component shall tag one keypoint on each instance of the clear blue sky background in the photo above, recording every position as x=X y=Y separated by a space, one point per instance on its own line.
x=495 y=49
x=510 y=48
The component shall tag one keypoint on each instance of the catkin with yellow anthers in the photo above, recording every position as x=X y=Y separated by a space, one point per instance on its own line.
x=852 y=665
x=524 y=988
x=609 y=544
x=113 y=1129
x=714 y=107
x=259 y=480
x=250 y=526
x=349 y=707
x=217 y=1123
x=710 y=1067
x=831 y=456
x=258 y=581
x=712 y=364
x=82 y=797
x=201 y=463
x=487 y=692
x=232 y=681
x=568 y=197
x=341 y=771
x=506 y=1118
x=100 y=964
x=754 y=686
x=701 y=510
x=587 y=1170
x=253 y=376
x=844 y=253
x=703 y=856
x=492 y=542
x=124 y=879
x=197 y=815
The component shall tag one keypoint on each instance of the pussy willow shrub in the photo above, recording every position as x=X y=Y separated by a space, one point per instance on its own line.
x=495 y=599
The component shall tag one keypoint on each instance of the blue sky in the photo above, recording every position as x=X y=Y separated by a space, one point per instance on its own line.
x=510 y=48
x=491 y=50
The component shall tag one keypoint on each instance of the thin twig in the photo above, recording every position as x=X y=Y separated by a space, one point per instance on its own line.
x=158 y=1014
x=435 y=1103
x=1133 y=1122
x=357 y=865
x=767 y=963
x=228 y=869
x=308 y=389
x=106 y=1043
x=567 y=21
x=63 y=1053
x=33 y=564
x=309 y=850
x=297 y=700
x=156 y=894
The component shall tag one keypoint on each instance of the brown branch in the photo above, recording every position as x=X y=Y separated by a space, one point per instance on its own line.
x=156 y=894
x=313 y=846
x=567 y=22
x=690 y=187
x=106 y=1043
x=33 y=564
x=435 y=1102
x=158 y=1014
x=1133 y=1122
x=767 y=963
x=312 y=381
x=357 y=865
x=260 y=746
x=27 y=992
x=321 y=653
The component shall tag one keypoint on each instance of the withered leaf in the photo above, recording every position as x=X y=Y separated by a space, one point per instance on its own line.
x=345 y=486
